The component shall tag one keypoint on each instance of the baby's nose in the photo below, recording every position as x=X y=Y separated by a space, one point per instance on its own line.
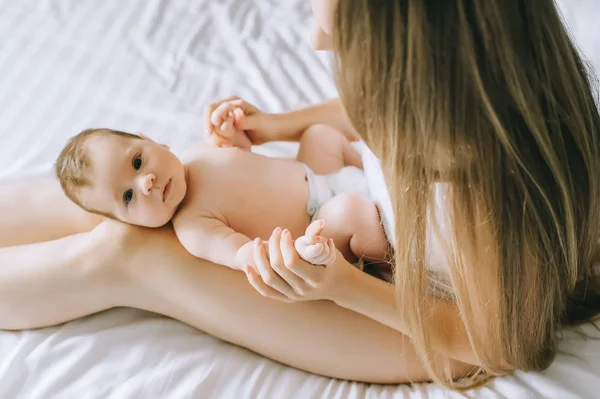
x=148 y=183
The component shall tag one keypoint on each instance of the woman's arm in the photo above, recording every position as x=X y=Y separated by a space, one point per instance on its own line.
x=375 y=298
x=288 y=126
x=291 y=125
x=315 y=336
x=350 y=288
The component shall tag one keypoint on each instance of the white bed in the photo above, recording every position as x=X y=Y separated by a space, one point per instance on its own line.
x=151 y=66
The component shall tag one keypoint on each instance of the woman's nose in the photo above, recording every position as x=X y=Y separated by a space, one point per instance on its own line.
x=147 y=182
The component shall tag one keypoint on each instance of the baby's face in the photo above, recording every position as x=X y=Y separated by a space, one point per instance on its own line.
x=138 y=181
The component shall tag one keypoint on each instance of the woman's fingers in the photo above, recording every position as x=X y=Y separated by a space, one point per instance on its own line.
x=227 y=130
x=278 y=265
x=321 y=257
x=268 y=275
x=259 y=285
x=236 y=108
x=331 y=256
x=305 y=271
x=314 y=251
x=238 y=114
x=245 y=107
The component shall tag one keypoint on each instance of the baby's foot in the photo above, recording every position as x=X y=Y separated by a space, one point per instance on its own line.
x=314 y=248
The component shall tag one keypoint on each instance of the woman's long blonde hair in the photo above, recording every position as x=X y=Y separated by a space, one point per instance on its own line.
x=487 y=106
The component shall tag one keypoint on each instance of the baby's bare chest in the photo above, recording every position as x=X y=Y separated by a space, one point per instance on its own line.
x=251 y=194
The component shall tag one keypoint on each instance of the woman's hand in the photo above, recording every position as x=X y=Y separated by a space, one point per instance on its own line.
x=236 y=114
x=281 y=274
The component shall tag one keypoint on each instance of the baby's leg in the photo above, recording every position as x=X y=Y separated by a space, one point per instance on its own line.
x=37 y=210
x=353 y=222
x=326 y=150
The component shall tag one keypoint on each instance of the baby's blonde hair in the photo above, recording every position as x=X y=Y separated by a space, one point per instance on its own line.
x=74 y=166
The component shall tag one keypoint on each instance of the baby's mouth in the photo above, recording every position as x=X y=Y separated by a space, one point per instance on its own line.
x=167 y=190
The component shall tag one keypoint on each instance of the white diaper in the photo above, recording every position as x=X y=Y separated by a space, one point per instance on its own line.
x=322 y=188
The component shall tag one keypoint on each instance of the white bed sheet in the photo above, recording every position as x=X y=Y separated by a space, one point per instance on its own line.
x=151 y=66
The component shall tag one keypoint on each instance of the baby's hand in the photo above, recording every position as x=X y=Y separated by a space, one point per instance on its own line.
x=225 y=133
x=224 y=120
x=314 y=248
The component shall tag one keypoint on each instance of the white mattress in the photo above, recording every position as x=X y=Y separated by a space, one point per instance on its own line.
x=151 y=66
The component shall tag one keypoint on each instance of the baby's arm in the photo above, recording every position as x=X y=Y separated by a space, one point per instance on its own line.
x=209 y=238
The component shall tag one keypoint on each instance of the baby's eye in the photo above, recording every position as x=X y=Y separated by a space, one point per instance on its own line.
x=127 y=196
x=137 y=162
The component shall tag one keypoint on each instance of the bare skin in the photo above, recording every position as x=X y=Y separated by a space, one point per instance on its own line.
x=115 y=265
x=248 y=192
x=250 y=195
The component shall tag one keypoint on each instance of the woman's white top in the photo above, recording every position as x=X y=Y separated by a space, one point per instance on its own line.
x=380 y=195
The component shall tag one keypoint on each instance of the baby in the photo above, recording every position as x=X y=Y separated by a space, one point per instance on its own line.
x=217 y=198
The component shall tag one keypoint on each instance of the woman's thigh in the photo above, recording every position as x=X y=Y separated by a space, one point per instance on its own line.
x=37 y=210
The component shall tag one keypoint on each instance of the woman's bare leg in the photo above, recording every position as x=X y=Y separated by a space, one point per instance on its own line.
x=37 y=210
x=120 y=265
x=47 y=283
x=316 y=336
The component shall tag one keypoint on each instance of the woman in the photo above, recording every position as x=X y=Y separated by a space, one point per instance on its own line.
x=485 y=123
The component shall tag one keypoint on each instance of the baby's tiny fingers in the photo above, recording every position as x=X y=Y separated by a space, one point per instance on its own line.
x=321 y=258
x=315 y=239
x=332 y=251
x=313 y=252
x=220 y=113
x=315 y=228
